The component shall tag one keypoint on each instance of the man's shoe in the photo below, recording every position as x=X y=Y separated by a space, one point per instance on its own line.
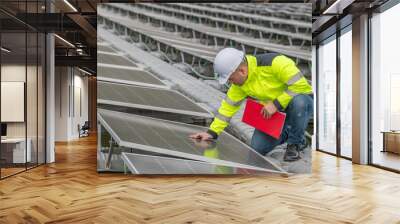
x=303 y=146
x=292 y=153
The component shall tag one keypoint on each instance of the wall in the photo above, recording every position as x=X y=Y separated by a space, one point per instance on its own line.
x=80 y=102
x=71 y=102
x=61 y=103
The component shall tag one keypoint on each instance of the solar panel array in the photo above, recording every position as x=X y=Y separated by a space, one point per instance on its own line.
x=168 y=137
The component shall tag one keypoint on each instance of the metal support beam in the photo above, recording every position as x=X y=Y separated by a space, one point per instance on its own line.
x=86 y=26
x=78 y=61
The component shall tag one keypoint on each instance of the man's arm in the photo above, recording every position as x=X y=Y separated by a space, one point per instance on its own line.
x=287 y=71
x=229 y=106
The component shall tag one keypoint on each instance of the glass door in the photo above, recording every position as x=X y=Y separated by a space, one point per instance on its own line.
x=385 y=90
x=22 y=78
x=14 y=154
x=326 y=94
x=346 y=92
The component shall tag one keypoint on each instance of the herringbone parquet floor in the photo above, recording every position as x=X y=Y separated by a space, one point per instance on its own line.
x=71 y=191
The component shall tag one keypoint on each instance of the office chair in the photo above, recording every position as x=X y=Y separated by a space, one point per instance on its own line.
x=84 y=130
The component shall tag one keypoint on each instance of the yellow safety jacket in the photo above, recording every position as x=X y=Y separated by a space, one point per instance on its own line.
x=271 y=77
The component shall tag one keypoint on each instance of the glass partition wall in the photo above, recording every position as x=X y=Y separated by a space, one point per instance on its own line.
x=326 y=106
x=345 y=92
x=22 y=77
x=334 y=94
x=385 y=90
x=13 y=88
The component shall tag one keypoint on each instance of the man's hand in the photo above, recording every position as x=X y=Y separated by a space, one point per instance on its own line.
x=202 y=136
x=268 y=110
x=201 y=144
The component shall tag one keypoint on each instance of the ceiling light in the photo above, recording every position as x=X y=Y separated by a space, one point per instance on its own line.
x=337 y=7
x=5 y=50
x=65 y=41
x=86 y=72
x=331 y=7
x=71 y=6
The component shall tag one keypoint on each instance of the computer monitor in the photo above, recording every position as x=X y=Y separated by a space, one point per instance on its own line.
x=3 y=129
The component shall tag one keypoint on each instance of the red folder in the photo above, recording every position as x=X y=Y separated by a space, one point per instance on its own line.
x=253 y=117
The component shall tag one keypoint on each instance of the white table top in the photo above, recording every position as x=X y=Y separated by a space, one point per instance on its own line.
x=13 y=140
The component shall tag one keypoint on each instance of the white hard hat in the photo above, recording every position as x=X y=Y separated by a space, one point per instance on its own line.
x=226 y=62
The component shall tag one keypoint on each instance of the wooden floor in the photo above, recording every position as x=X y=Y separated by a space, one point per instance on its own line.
x=10 y=171
x=71 y=191
x=386 y=159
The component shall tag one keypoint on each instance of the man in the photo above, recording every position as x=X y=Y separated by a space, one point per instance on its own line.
x=272 y=79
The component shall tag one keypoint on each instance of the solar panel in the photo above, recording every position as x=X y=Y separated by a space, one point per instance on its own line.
x=147 y=164
x=171 y=138
x=128 y=76
x=164 y=100
x=105 y=48
x=113 y=59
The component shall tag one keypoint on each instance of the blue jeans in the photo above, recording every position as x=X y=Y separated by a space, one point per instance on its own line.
x=298 y=113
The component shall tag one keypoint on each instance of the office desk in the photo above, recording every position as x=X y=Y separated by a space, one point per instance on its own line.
x=391 y=141
x=16 y=147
